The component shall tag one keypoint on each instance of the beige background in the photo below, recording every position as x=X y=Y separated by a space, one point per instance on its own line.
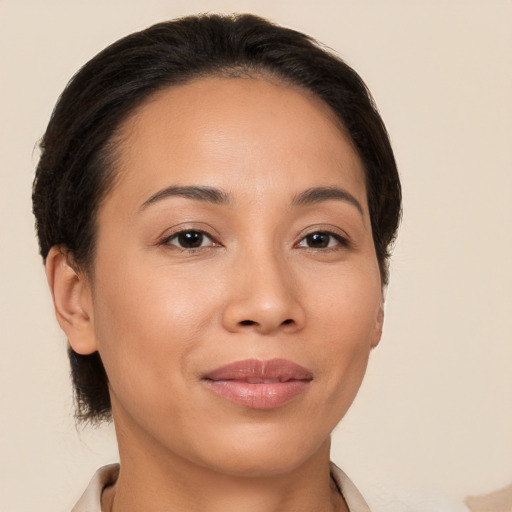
x=433 y=421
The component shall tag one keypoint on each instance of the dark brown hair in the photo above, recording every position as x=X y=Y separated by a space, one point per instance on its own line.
x=77 y=163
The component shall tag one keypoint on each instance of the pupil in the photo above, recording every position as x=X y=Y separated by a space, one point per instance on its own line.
x=318 y=240
x=190 y=239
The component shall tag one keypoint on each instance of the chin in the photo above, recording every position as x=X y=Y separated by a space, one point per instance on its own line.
x=254 y=454
x=263 y=465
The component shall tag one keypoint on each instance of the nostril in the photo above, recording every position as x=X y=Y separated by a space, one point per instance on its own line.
x=248 y=323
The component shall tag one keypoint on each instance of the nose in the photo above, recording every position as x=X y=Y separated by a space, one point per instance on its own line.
x=264 y=298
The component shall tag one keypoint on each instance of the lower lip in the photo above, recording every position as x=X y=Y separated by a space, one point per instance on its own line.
x=265 y=395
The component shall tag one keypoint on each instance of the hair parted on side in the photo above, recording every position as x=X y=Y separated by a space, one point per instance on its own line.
x=77 y=166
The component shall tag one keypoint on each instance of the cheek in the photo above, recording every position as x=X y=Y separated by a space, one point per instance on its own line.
x=346 y=316
x=346 y=304
x=136 y=297
x=146 y=324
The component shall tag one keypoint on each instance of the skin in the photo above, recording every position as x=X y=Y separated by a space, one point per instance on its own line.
x=162 y=315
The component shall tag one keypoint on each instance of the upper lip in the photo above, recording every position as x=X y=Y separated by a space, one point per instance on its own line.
x=257 y=371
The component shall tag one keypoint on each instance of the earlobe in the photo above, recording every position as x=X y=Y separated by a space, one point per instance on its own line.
x=378 y=325
x=72 y=300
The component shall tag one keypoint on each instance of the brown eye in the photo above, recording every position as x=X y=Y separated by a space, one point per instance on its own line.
x=318 y=240
x=322 y=240
x=190 y=240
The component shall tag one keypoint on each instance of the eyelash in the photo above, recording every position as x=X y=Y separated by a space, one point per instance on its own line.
x=342 y=241
x=168 y=240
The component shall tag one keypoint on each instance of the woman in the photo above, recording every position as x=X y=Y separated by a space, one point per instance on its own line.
x=215 y=203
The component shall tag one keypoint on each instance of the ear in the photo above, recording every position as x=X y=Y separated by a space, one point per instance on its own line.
x=379 y=322
x=72 y=300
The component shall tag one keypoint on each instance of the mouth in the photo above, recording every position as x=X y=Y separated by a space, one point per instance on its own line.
x=259 y=384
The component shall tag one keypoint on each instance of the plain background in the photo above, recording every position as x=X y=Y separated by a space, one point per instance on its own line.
x=433 y=420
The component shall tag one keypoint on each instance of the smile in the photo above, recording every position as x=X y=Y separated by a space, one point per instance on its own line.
x=259 y=384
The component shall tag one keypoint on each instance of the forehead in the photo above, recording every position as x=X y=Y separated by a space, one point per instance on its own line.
x=228 y=131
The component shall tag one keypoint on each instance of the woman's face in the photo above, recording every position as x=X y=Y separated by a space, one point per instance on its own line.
x=236 y=291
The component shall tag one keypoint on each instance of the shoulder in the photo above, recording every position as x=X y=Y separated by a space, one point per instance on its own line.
x=353 y=497
x=91 y=498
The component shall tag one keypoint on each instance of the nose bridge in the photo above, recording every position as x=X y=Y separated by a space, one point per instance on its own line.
x=264 y=294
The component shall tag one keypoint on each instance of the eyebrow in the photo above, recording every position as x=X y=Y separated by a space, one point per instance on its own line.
x=317 y=195
x=207 y=194
x=213 y=195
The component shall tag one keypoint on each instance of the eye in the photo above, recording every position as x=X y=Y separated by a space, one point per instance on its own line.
x=189 y=239
x=322 y=240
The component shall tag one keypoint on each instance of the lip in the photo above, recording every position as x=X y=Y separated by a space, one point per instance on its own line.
x=259 y=384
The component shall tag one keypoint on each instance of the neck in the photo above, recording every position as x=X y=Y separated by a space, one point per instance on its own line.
x=152 y=480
